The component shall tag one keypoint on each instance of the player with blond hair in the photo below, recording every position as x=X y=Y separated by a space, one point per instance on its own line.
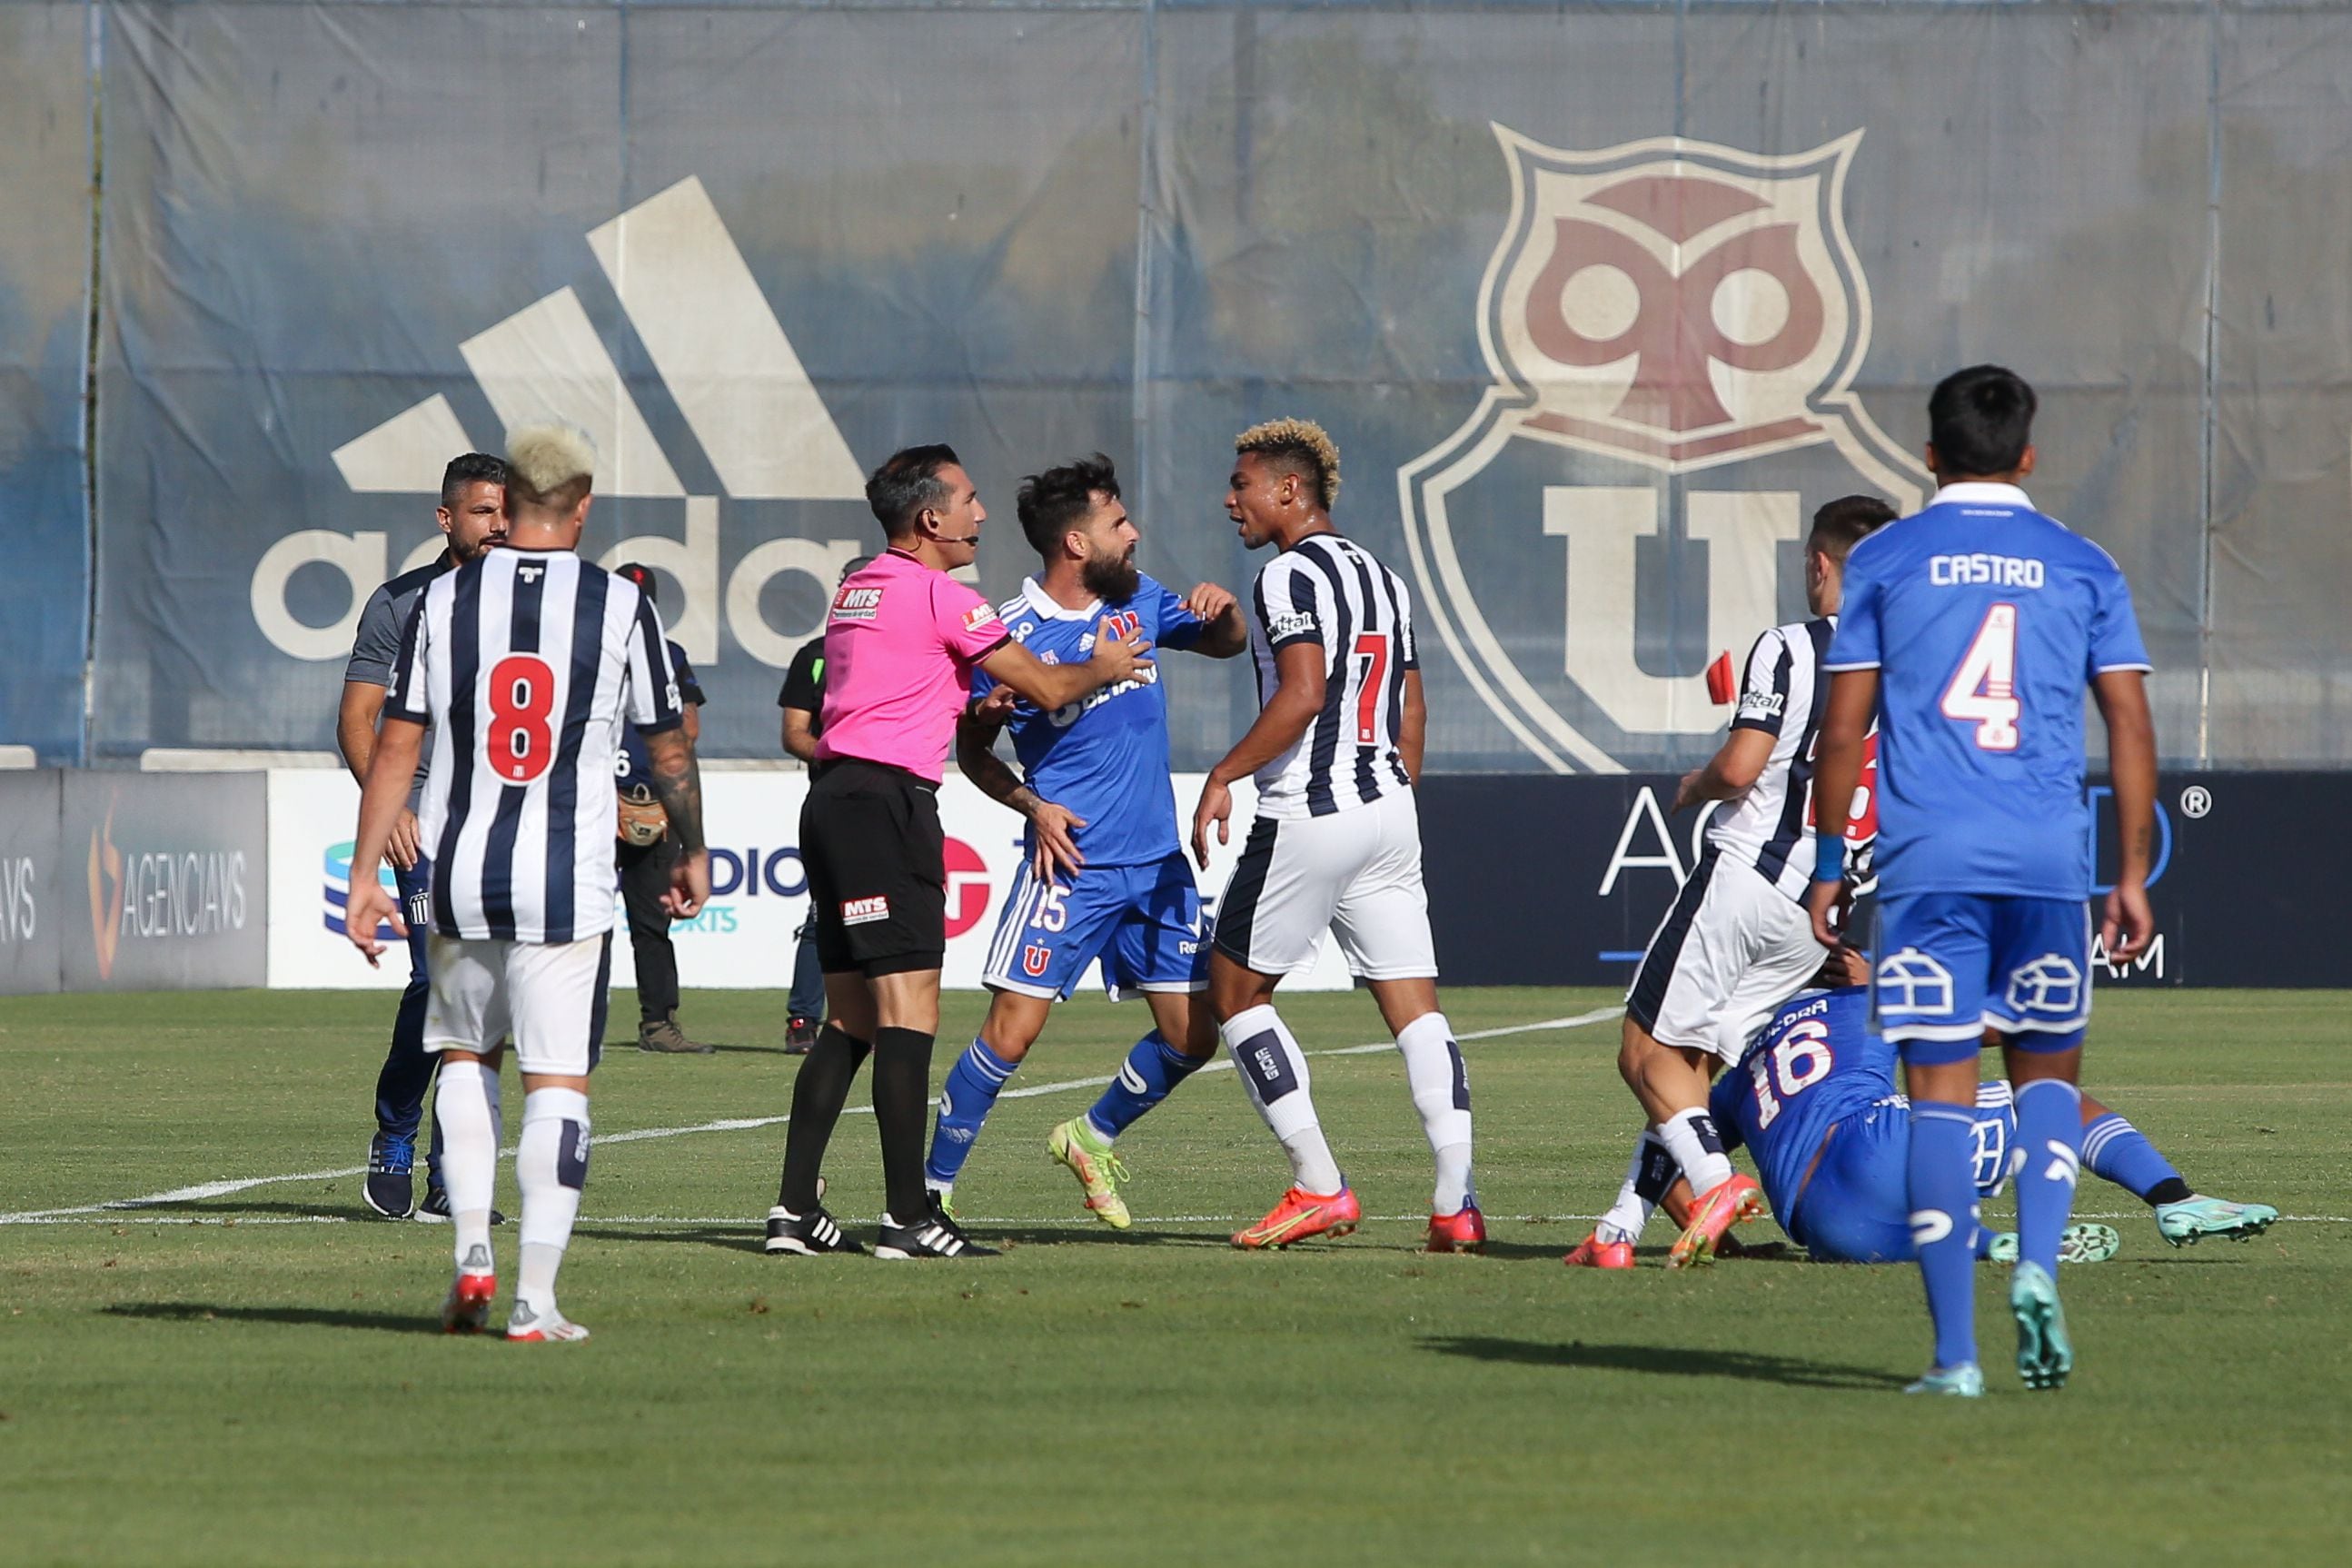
x=1336 y=842
x=525 y=663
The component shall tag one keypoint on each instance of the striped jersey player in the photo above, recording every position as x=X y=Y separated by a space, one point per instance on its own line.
x=1336 y=842
x=525 y=664
x=1737 y=942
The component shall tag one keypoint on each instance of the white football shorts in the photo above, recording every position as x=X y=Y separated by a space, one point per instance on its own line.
x=1731 y=949
x=1355 y=872
x=549 y=995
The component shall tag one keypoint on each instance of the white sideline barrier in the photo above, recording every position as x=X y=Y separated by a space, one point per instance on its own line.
x=743 y=939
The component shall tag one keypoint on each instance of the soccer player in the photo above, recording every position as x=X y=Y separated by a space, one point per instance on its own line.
x=1106 y=878
x=644 y=862
x=1971 y=630
x=1815 y=1103
x=901 y=643
x=473 y=519
x=1737 y=942
x=525 y=664
x=802 y=702
x=1336 y=842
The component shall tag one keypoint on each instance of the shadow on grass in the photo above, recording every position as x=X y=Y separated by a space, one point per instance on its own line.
x=1667 y=1360
x=230 y=1209
x=727 y=1239
x=313 y=1317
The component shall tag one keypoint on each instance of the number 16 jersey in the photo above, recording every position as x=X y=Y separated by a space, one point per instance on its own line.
x=1986 y=621
x=527 y=663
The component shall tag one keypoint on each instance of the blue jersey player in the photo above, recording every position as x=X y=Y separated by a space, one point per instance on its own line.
x=1105 y=878
x=1971 y=630
x=1814 y=1101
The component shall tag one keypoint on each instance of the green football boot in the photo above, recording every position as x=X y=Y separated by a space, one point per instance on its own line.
x=2076 y=1244
x=2044 y=1356
x=1087 y=1155
x=2192 y=1219
x=1962 y=1382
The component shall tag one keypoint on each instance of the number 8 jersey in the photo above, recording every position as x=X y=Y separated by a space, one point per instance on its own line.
x=527 y=663
x=1326 y=590
x=1986 y=621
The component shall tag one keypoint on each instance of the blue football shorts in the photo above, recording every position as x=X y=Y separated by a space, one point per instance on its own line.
x=1951 y=965
x=1143 y=922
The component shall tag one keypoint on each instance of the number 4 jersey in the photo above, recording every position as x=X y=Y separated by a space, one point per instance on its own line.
x=527 y=663
x=1986 y=622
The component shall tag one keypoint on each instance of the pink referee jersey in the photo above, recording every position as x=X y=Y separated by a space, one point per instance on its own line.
x=899 y=648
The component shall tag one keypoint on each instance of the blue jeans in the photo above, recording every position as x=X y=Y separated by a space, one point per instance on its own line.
x=407 y=1070
x=808 y=977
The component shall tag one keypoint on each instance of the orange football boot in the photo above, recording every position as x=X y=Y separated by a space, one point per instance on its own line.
x=468 y=1306
x=1594 y=1253
x=1462 y=1232
x=1725 y=1205
x=1302 y=1213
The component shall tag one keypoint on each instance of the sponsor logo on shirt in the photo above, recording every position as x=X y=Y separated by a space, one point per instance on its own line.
x=865 y=912
x=1291 y=624
x=856 y=604
x=974 y=618
x=1761 y=704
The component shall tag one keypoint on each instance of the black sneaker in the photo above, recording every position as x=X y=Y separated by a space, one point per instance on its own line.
x=936 y=1235
x=800 y=1036
x=435 y=1210
x=811 y=1235
x=390 y=1187
x=664 y=1037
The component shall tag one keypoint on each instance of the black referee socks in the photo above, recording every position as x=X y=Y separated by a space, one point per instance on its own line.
x=818 y=1095
x=902 y=1098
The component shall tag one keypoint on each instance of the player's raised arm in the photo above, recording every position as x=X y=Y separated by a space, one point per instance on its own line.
x=2122 y=696
x=1296 y=699
x=1846 y=725
x=1115 y=658
x=976 y=755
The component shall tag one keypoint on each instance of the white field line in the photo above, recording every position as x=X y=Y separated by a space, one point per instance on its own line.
x=734 y=1221
x=732 y=1124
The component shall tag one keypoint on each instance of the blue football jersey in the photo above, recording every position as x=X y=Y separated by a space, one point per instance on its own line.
x=1816 y=1062
x=1104 y=757
x=1986 y=622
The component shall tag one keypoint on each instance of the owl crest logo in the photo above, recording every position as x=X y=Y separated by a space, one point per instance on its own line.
x=1655 y=314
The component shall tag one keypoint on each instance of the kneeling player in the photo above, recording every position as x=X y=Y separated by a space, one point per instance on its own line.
x=1105 y=878
x=1814 y=1101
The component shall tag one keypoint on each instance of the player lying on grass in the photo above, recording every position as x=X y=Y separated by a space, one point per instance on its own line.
x=1106 y=878
x=1814 y=1100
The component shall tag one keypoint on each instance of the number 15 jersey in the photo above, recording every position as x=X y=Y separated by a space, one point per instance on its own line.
x=1327 y=590
x=527 y=663
x=1986 y=621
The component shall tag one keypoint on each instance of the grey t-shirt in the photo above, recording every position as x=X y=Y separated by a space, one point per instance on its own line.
x=376 y=649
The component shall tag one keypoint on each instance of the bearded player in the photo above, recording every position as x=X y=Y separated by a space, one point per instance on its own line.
x=1106 y=876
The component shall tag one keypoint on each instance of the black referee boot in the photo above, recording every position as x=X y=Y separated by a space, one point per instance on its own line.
x=934 y=1236
x=811 y=1235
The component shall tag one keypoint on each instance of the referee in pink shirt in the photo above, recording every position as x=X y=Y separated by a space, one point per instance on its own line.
x=900 y=644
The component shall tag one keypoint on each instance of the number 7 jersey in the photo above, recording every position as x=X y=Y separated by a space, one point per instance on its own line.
x=1986 y=621
x=1327 y=590
x=527 y=663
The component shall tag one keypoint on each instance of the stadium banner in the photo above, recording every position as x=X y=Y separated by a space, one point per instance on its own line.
x=45 y=271
x=1600 y=303
x=168 y=882
x=32 y=881
x=1562 y=882
x=744 y=938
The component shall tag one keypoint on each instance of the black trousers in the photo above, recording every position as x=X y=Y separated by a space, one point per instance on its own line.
x=645 y=877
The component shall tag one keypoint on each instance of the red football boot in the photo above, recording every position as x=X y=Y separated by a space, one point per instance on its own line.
x=1725 y=1205
x=1462 y=1232
x=468 y=1306
x=1594 y=1253
x=1302 y=1213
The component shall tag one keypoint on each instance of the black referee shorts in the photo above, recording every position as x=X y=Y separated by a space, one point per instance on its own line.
x=877 y=860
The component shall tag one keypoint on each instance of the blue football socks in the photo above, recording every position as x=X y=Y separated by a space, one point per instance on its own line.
x=965 y=1101
x=1943 y=1198
x=2116 y=1149
x=2050 y=1134
x=1150 y=1073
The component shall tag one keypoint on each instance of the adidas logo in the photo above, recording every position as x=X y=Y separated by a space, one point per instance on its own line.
x=725 y=361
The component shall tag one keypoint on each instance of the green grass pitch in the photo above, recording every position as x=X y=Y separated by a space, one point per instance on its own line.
x=251 y=1376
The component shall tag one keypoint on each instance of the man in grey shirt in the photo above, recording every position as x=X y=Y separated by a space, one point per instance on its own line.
x=472 y=515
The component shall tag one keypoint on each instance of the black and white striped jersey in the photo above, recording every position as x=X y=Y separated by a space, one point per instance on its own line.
x=1770 y=827
x=1330 y=591
x=527 y=663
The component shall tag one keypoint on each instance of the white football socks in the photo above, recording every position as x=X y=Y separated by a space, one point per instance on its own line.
x=1440 y=1092
x=470 y=1156
x=551 y=1166
x=1274 y=1066
x=1690 y=1137
x=1630 y=1214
